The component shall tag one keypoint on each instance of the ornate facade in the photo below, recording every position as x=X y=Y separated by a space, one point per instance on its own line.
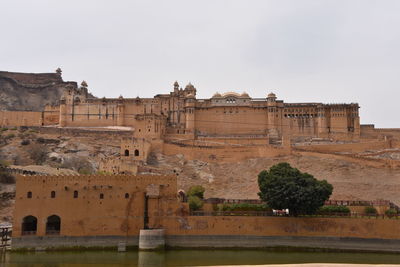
x=229 y=115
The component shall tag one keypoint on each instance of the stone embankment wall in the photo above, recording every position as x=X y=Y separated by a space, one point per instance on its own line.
x=338 y=233
x=346 y=147
x=245 y=231
x=224 y=153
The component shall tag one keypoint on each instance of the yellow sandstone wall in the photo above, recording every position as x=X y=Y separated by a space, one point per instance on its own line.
x=88 y=214
x=231 y=120
x=20 y=118
x=224 y=153
x=347 y=147
x=283 y=226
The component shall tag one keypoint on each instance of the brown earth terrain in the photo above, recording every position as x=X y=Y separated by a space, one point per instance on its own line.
x=352 y=180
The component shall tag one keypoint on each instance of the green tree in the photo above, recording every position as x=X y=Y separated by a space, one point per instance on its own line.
x=285 y=187
x=195 y=197
x=196 y=190
x=370 y=210
x=195 y=203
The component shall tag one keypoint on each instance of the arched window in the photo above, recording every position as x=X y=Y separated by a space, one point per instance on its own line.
x=29 y=194
x=136 y=153
x=29 y=225
x=126 y=152
x=126 y=195
x=53 y=194
x=101 y=196
x=53 y=225
x=75 y=194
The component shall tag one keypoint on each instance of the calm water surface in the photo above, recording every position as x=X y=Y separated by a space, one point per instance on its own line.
x=186 y=258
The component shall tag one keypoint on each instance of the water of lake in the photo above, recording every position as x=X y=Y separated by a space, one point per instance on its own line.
x=171 y=258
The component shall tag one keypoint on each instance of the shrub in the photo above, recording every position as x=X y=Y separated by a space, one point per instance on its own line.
x=196 y=190
x=38 y=153
x=6 y=178
x=85 y=171
x=79 y=164
x=3 y=129
x=10 y=136
x=391 y=212
x=370 y=210
x=333 y=209
x=25 y=142
x=4 y=163
x=243 y=207
x=195 y=203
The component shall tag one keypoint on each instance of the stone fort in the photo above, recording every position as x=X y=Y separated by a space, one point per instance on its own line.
x=225 y=127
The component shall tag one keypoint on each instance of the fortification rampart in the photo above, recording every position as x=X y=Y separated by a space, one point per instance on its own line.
x=20 y=118
x=345 y=147
x=85 y=132
x=372 y=162
x=227 y=153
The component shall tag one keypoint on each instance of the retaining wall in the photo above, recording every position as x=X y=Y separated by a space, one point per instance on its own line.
x=224 y=153
x=248 y=231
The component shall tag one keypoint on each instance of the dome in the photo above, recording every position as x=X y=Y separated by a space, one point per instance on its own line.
x=244 y=94
x=216 y=95
x=230 y=94
x=189 y=86
x=190 y=96
x=176 y=83
x=271 y=95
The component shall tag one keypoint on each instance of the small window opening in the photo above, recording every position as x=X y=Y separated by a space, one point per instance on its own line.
x=101 y=196
x=75 y=194
x=136 y=153
x=29 y=194
x=53 y=194
x=126 y=195
x=126 y=153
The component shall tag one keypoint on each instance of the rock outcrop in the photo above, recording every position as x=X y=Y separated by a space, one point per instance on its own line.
x=31 y=91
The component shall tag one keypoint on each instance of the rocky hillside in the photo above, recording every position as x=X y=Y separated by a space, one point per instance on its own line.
x=80 y=152
x=29 y=91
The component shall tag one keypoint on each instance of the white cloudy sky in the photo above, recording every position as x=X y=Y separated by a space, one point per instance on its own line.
x=303 y=50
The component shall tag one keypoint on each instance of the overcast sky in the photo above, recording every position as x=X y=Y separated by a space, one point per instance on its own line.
x=304 y=51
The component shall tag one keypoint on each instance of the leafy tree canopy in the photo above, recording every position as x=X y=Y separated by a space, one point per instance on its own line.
x=285 y=187
x=196 y=190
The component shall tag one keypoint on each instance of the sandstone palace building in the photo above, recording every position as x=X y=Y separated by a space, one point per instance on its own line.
x=181 y=113
x=226 y=127
x=228 y=114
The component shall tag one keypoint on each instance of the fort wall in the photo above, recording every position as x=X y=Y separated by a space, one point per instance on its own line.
x=283 y=226
x=346 y=147
x=104 y=210
x=20 y=118
x=87 y=204
x=224 y=153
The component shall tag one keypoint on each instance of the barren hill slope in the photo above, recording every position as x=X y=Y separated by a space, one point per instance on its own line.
x=351 y=181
